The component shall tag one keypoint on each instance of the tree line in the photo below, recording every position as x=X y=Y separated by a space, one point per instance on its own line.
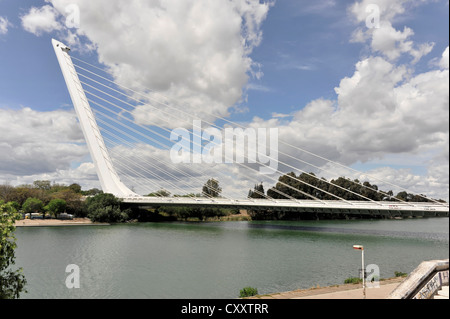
x=307 y=186
x=47 y=198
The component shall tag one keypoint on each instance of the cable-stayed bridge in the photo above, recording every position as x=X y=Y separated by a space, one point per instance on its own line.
x=121 y=145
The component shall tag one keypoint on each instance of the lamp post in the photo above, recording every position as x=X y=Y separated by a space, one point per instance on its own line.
x=360 y=247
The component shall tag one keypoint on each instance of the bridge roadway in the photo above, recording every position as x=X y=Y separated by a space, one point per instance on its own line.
x=392 y=209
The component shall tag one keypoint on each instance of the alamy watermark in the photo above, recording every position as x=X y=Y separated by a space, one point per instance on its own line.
x=373 y=18
x=72 y=16
x=230 y=145
x=73 y=279
x=373 y=276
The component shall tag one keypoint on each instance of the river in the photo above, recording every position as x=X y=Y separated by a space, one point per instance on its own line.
x=215 y=260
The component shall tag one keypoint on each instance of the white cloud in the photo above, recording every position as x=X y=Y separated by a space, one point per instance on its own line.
x=85 y=175
x=193 y=51
x=389 y=9
x=359 y=36
x=41 y=20
x=4 y=24
x=445 y=60
x=386 y=39
x=35 y=142
x=393 y=43
x=381 y=110
x=434 y=184
x=147 y=169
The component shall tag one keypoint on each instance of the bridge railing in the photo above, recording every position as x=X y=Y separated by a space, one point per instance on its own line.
x=424 y=282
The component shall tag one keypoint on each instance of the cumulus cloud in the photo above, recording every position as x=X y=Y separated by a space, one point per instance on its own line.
x=444 y=60
x=85 y=175
x=389 y=9
x=41 y=20
x=4 y=24
x=382 y=109
x=35 y=142
x=384 y=38
x=193 y=51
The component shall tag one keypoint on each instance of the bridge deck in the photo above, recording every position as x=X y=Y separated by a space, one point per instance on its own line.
x=353 y=207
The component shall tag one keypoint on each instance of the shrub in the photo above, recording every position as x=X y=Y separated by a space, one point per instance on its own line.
x=33 y=205
x=105 y=208
x=400 y=274
x=248 y=292
x=12 y=282
x=56 y=206
x=352 y=280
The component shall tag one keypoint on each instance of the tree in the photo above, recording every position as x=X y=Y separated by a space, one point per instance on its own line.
x=74 y=202
x=212 y=188
x=309 y=187
x=160 y=193
x=106 y=208
x=6 y=192
x=32 y=205
x=286 y=185
x=43 y=185
x=22 y=193
x=91 y=192
x=12 y=282
x=257 y=192
x=56 y=206
x=404 y=196
x=76 y=188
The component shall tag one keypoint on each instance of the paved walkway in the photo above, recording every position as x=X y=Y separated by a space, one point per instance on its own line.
x=349 y=291
x=442 y=294
x=371 y=293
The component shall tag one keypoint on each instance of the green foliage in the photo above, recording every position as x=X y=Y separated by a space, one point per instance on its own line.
x=56 y=206
x=160 y=193
x=76 y=188
x=12 y=282
x=258 y=192
x=352 y=280
x=248 y=292
x=308 y=186
x=105 y=208
x=212 y=188
x=33 y=205
x=109 y=214
x=400 y=274
x=92 y=192
x=47 y=191
x=74 y=202
x=185 y=213
x=44 y=185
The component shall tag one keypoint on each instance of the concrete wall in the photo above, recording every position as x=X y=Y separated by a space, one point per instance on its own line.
x=424 y=282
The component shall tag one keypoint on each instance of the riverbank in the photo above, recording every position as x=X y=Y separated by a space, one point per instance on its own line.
x=347 y=291
x=56 y=222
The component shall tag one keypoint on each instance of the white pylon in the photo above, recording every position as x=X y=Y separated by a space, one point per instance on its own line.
x=109 y=179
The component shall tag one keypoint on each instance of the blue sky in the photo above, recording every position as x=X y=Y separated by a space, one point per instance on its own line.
x=304 y=54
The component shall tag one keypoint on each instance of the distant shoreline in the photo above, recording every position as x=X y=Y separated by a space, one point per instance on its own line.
x=56 y=222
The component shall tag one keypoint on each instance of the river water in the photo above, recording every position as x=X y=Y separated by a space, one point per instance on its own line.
x=215 y=260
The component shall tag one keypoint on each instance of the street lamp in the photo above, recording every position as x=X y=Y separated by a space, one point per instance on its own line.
x=360 y=247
